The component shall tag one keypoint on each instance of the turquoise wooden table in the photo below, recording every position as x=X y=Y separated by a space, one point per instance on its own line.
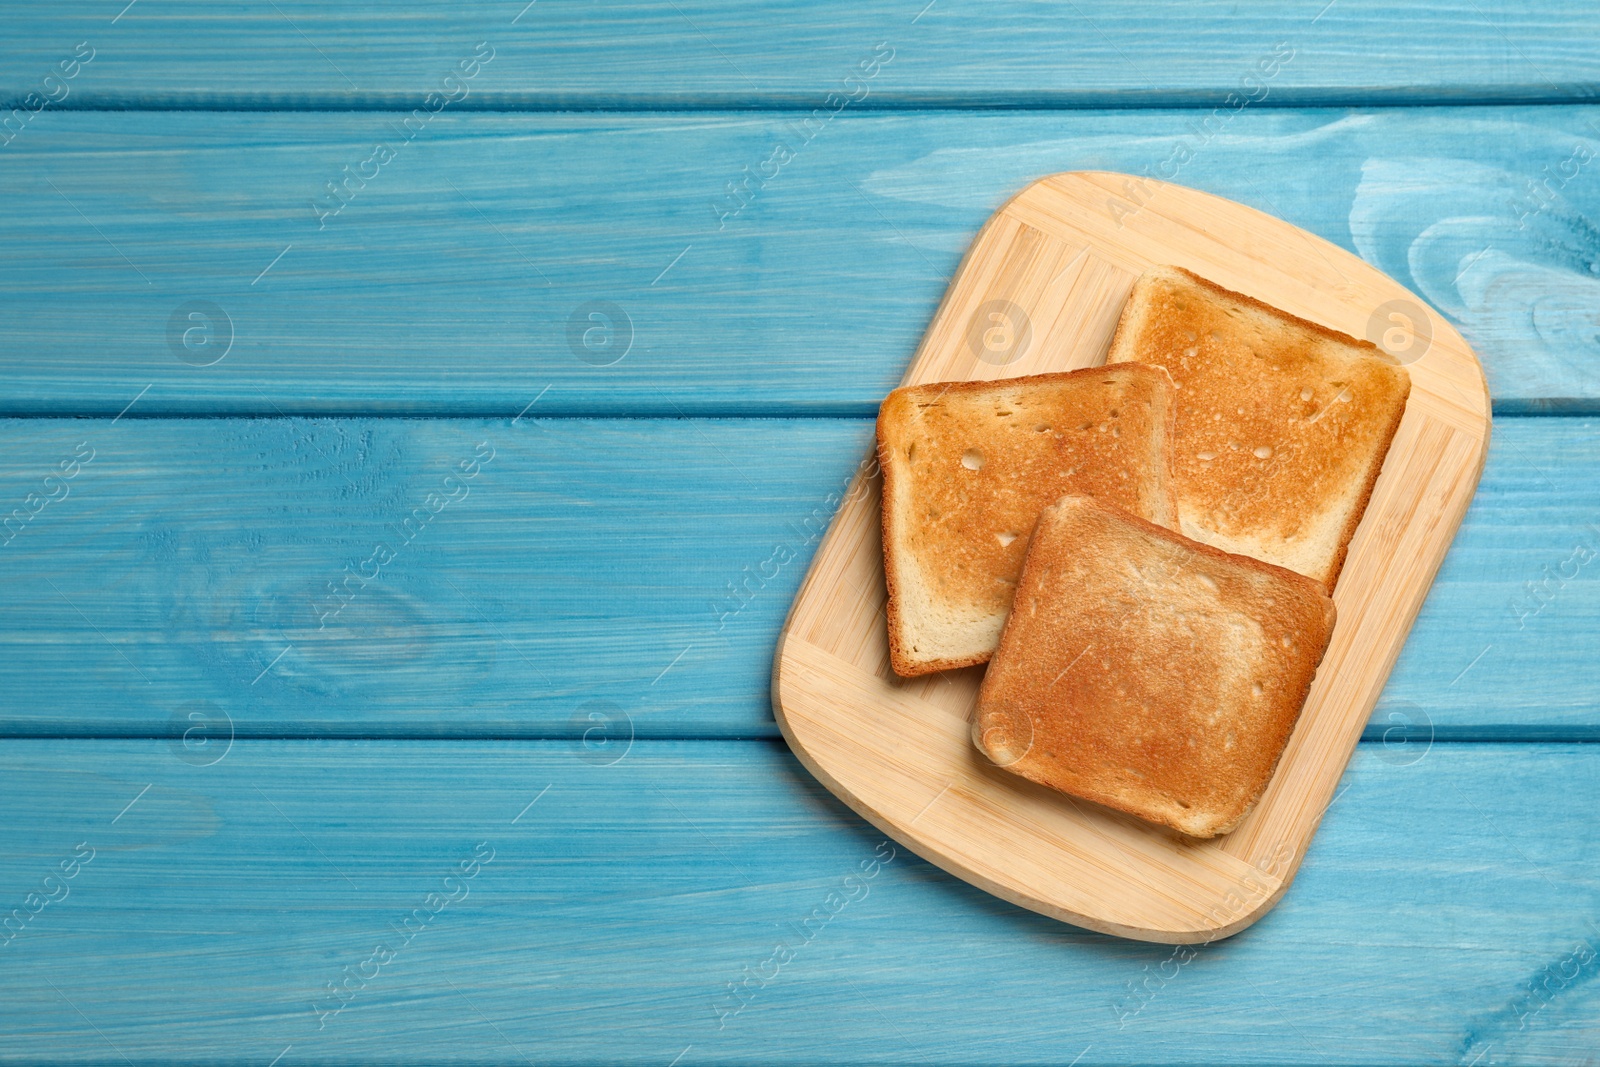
x=582 y=311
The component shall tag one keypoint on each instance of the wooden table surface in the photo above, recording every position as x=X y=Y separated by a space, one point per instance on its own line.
x=582 y=312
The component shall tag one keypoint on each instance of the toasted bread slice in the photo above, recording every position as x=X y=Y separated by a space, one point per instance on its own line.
x=1147 y=672
x=966 y=468
x=1281 y=424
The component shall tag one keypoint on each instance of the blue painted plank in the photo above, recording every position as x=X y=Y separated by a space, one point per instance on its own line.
x=233 y=568
x=1446 y=911
x=297 y=53
x=601 y=256
x=634 y=570
x=1500 y=643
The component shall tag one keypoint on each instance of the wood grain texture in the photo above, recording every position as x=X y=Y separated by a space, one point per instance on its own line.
x=298 y=53
x=198 y=549
x=1039 y=291
x=618 y=909
x=1438 y=925
x=456 y=280
x=233 y=565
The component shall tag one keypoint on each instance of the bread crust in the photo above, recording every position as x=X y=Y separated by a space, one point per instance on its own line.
x=1184 y=730
x=905 y=661
x=1353 y=523
x=1276 y=312
x=1388 y=412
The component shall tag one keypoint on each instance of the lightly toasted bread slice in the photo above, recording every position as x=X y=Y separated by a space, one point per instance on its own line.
x=1281 y=425
x=1148 y=672
x=966 y=468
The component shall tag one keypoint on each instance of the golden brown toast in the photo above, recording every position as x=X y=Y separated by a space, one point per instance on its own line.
x=966 y=468
x=1147 y=672
x=1281 y=424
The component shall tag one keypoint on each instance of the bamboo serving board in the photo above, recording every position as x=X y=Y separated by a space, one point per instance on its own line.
x=1041 y=290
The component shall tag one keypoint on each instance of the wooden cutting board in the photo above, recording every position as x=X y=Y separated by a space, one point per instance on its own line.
x=1041 y=290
